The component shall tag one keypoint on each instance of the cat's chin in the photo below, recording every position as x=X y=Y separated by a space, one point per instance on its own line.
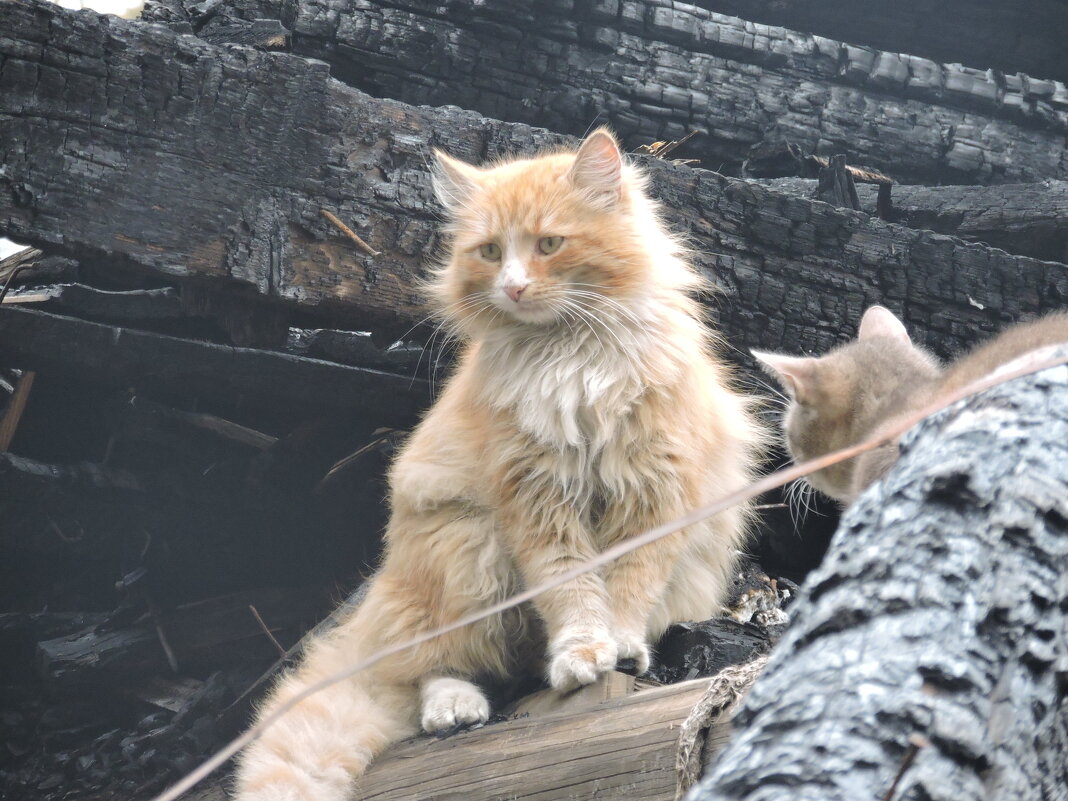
x=530 y=312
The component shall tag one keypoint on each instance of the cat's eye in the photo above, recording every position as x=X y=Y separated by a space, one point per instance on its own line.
x=491 y=251
x=550 y=244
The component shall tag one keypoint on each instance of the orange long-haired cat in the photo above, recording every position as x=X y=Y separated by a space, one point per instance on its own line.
x=587 y=407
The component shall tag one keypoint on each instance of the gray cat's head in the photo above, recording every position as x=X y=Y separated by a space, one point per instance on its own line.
x=843 y=397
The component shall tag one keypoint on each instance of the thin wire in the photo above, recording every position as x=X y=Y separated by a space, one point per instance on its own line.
x=758 y=487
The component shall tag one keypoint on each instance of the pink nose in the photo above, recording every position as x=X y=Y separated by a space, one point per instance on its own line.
x=515 y=291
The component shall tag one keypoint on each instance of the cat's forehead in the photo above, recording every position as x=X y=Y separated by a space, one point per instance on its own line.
x=524 y=194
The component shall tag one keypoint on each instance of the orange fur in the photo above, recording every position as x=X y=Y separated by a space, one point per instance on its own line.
x=587 y=407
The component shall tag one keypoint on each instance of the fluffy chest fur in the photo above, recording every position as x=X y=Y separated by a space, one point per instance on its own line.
x=566 y=390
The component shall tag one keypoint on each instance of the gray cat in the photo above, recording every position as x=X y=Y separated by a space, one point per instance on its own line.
x=867 y=385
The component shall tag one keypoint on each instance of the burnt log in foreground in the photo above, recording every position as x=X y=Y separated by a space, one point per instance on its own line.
x=939 y=616
x=656 y=69
x=249 y=217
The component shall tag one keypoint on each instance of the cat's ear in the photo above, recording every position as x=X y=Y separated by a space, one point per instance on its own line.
x=879 y=321
x=795 y=373
x=454 y=180
x=598 y=168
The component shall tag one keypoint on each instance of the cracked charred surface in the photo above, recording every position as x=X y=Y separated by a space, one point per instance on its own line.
x=1027 y=219
x=1025 y=36
x=88 y=176
x=941 y=610
x=655 y=69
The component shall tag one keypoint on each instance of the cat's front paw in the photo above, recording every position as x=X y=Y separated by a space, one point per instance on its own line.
x=452 y=702
x=579 y=657
x=632 y=645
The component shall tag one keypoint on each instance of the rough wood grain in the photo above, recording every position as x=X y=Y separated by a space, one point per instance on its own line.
x=656 y=69
x=941 y=610
x=1023 y=36
x=250 y=217
x=616 y=750
x=1027 y=219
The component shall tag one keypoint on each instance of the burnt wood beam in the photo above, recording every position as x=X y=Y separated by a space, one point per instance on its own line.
x=932 y=639
x=263 y=141
x=150 y=362
x=1027 y=219
x=657 y=69
x=1024 y=36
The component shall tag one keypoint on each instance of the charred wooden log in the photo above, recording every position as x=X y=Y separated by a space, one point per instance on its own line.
x=1026 y=36
x=787 y=265
x=1027 y=219
x=153 y=362
x=656 y=70
x=939 y=617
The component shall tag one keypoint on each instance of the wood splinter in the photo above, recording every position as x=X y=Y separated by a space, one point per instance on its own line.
x=350 y=233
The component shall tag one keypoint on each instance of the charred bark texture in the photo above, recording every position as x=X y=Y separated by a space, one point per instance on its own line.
x=1027 y=219
x=656 y=69
x=941 y=611
x=251 y=219
x=1025 y=36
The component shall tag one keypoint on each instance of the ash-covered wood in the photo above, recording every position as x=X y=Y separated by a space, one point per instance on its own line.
x=656 y=70
x=788 y=266
x=1024 y=36
x=939 y=612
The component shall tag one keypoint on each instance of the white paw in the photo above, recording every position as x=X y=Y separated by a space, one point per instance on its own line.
x=632 y=645
x=580 y=656
x=450 y=702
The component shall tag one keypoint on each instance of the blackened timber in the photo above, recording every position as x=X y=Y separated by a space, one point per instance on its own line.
x=1024 y=36
x=940 y=610
x=1026 y=219
x=656 y=70
x=130 y=358
x=785 y=265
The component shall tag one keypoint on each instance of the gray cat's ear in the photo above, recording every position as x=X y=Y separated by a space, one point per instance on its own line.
x=879 y=321
x=795 y=373
x=454 y=181
x=598 y=168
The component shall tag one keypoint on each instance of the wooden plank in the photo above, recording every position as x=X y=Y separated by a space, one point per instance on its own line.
x=610 y=686
x=615 y=750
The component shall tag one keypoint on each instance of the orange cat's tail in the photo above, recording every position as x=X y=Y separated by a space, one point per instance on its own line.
x=317 y=748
